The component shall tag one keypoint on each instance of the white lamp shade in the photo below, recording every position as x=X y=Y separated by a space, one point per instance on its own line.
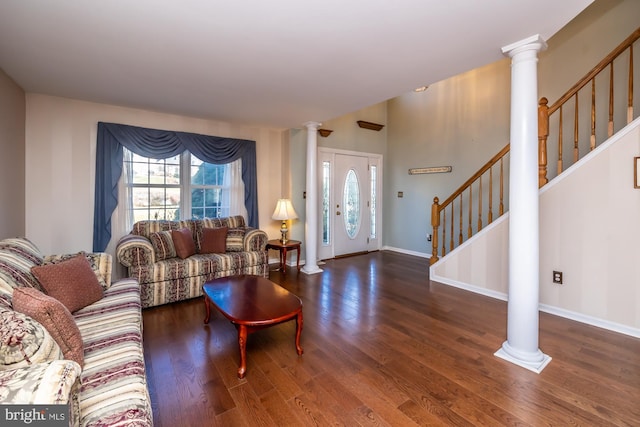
x=284 y=210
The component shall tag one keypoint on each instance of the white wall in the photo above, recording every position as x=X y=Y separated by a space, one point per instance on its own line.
x=346 y=135
x=60 y=158
x=12 y=166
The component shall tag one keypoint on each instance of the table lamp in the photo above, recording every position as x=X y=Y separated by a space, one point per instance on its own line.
x=284 y=211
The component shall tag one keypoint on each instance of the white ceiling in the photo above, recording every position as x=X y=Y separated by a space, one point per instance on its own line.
x=276 y=63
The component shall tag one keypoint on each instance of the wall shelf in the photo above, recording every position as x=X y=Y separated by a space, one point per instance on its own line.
x=369 y=125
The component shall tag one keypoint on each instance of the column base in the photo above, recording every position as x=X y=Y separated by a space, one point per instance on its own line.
x=535 y=362
x=311 y=269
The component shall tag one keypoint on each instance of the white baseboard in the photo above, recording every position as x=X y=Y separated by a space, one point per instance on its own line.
x=471 y=288
x=590 y=320
x=557 y=311
x=405 y=251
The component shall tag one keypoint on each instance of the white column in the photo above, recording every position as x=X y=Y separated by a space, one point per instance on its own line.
x=521 y=346
x=311 y=226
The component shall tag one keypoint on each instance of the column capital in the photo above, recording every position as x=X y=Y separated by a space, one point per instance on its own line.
x=535 y=43
x=312 y=125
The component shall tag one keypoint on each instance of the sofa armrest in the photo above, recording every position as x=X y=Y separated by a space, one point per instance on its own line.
x=133 y=250
x=255 y=240
x=42 y=383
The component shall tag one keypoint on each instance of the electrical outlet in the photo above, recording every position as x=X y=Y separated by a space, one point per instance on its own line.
x=557 y=277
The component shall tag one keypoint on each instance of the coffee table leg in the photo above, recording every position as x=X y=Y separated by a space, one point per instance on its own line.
x=242 y=341
x=299 y=323
x=206 y=306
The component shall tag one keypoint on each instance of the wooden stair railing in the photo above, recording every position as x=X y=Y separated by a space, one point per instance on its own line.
x=545 y=111
x=439 y=210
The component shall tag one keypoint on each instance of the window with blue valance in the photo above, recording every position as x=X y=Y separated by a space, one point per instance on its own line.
x=161 y=144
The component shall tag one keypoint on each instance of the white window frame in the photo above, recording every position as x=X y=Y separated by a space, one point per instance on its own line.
x=185 y=186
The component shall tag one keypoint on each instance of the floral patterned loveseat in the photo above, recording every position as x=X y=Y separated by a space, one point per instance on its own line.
x=88 y=358
x=152 y=257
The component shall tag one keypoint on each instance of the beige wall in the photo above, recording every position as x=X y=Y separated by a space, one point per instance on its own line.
x=588 y=217
x=60 y=155
x=588 y=230
x=12 y=160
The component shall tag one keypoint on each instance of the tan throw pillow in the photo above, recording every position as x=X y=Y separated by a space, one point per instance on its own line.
x=214 y=240
x=162 y=243
x=183 y=241
x=56 y=319
x=72 y=282
x=235 y=239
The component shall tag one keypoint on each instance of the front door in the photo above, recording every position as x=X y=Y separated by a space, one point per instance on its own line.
x=351 y=215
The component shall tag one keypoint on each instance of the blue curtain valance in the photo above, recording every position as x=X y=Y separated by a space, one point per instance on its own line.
x=162 y=144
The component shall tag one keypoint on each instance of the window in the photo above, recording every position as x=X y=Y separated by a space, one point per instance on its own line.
x=157 y=189
x=326 y=202
x=374 y=203
x=209 y=189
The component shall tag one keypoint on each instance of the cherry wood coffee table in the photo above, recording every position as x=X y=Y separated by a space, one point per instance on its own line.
x=252 y=303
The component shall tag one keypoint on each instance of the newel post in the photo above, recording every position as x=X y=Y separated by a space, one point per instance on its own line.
x=543 y=133
x=435 y=223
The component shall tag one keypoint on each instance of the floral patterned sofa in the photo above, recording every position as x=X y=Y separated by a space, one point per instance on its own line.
x=219 y=247
x=90 y=358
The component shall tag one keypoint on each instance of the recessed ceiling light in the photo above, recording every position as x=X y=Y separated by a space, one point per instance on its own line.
x=421 y=89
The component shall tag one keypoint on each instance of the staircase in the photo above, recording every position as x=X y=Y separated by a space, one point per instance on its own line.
x=481 y=199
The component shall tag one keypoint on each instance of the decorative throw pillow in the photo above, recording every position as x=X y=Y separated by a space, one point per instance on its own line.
x=235 y=239
x=24 y=341
x=56 y=319
x=162 y=243
x=214 y=240
x=72 y=282
x=183 y=241
x=94 y=262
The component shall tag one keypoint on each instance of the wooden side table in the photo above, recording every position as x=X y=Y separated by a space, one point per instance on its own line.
x=283 y=248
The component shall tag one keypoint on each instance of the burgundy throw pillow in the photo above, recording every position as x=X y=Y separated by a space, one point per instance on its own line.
x=214 y=240
x=183 y=242
x=56 y=319
x=72 y=282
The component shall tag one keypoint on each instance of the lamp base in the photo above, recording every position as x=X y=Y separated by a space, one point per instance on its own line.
x=283 y=232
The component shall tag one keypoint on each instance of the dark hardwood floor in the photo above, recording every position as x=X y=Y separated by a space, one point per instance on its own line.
x=384 y=346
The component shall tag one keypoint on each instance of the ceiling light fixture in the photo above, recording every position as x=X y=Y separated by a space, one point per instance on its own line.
x=420 y=89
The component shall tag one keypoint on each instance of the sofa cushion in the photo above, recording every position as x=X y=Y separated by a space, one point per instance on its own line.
x=208 y=265
x=235 y=239
x=72 y=282
x=55 y=317
x=214 y=240
x=183 y=241
x=24 y=341
x=163 y=246
x=114 y=389
x=42 y=384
